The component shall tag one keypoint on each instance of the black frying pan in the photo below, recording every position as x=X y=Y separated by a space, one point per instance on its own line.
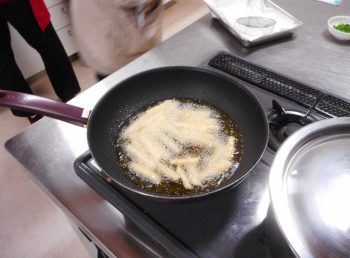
x=141 y=90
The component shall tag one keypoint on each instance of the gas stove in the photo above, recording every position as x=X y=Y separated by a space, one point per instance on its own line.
x=231 y=223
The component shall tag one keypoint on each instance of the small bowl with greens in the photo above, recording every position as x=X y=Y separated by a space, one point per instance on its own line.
x=339 y=27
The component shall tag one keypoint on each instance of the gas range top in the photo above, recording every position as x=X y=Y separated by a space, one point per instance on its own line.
x=231 y=223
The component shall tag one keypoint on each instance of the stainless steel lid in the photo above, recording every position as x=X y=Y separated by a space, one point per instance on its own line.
x=310 y=189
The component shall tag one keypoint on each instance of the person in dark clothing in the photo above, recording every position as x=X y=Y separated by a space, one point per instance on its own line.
x=32 y=20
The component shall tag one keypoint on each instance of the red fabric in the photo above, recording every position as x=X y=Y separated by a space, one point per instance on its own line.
x=41 y=13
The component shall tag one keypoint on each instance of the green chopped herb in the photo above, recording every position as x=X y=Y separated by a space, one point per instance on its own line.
x=343 y=27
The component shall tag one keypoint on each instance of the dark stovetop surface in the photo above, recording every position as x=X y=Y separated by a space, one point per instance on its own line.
x=231 y=223
x=225 y=225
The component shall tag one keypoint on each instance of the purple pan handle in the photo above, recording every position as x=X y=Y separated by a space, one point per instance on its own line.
x=43 y=106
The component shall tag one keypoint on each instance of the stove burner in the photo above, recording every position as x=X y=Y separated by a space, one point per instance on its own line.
x=284 y=123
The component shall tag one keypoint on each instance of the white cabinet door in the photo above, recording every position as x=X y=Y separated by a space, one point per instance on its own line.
x=66 y=36
x=50 y=3
x=60 y=15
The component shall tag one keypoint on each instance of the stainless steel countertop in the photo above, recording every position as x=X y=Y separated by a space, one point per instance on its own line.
x=48 y=148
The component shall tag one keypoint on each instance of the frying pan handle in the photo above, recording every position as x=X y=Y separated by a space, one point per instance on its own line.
x=43 y=106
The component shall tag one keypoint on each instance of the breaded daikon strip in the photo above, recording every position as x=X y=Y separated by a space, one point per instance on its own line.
x=169 y=143
x=153 y=118
x=167 y=172
x=190 y=136
x=230 y=147
x=145 y=144
x=183 y=161
x=146 y=173
x=216 y=164
x=162 y=133
x=192 y=173
x=133 y=127
x=165 y=106
x=184 y=179
x=197 y=115
x=158 y=137
x=203 y=128
x=214 y=169
x=138 y=156
x=221 y=167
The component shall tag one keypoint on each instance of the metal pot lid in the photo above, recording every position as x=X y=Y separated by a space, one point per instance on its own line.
x=310 y=189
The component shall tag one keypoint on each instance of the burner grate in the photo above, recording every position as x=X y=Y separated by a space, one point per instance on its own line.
x=333 y=107
x=266 y=79
x=283 y=123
